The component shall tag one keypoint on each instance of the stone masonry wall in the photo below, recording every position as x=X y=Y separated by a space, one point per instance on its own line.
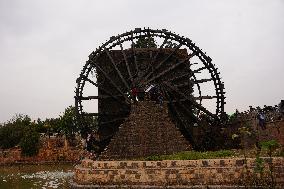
x=224 y=172
x=51 y=150
x=147 y=131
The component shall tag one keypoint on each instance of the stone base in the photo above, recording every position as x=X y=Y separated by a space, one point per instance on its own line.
x=147 y=131
x=77 y=186
x=216 y=173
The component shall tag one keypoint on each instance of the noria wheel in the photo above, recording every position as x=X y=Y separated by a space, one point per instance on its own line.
x=188 y=80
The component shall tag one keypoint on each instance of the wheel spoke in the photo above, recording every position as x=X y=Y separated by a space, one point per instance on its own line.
x=103 y=114
x=187 y=75
x=113 y=121
x=98 y=97
x=186 y=84
x=154 y=59
x=162 y=62
x=106 y=91
x=134 y=53
x=111 y=81
x=117 y=70
x=189 y=83
x=126 y=62
x=196 y=98
x=204 y=97
x=165 y=72
x=202 y=80
x=187 y=134
x=198 y=106
x=199 y=69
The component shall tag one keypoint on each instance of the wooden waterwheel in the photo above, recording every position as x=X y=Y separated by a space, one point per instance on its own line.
x=185 y=76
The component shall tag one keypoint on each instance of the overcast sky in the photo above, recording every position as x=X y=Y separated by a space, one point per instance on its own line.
x=44 y=45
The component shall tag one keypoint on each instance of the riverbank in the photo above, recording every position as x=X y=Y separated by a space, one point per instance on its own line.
x=36 y=176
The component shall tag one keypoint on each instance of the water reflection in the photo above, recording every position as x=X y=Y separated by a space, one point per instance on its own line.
x=35 y=176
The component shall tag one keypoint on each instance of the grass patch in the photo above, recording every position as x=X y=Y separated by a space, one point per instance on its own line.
x=192 y=155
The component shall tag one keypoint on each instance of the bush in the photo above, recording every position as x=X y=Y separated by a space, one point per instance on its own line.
x=30 y=142
x=269 y=145
x=192 y=155
x=12 y=132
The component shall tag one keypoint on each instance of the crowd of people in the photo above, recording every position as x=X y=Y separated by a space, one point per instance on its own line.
x=262 y=115
x=153 y=93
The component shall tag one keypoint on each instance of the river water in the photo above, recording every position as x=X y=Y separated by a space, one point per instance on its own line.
x=35 y=176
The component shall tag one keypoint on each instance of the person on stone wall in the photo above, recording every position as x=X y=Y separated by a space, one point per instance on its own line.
x=261 y=120
x=158 y=94
x=160 y=99
x=152 y=90
x=281 y=108
x=237 y=113
x=141 y=94
x=89 y=142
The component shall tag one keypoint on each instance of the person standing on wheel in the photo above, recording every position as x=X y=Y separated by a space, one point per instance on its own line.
x=134 y=92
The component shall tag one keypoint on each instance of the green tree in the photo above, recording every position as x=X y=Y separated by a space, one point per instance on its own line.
x=52 y=125
x=88 y=125
x=170 y=44
x=40 y=126
x=12 y=132
x=30 y=141
x=145 y=42
x=69 y=124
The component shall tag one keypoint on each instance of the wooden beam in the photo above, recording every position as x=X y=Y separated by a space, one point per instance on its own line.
x=196 y=98
x=185 y=84
x=162 y=62
x=134 y=52
x=199 y=69
x=204 y=97
x=164 y=72
x=117 y=70
x=198 y=106
x=202 y=80
x=180 y=77
x=103 y=114
x=184 y=127
x=97 y=97
x=110 y=80
x=112 y=121
x=126 y=62
x=106 y=91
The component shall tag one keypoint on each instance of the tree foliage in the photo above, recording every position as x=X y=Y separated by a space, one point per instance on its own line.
x=20 y=130
x=12 y=132
x=145 y=42
x=69 y=124
x=30 y=142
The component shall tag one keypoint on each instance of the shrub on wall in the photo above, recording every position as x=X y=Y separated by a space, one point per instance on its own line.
x=30 y=142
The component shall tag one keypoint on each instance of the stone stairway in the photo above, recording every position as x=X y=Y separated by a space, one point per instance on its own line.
x=147 y=131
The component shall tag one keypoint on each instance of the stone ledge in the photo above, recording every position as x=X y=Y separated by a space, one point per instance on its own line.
x=168 y=173
x=229 y=162
x=73 y=185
